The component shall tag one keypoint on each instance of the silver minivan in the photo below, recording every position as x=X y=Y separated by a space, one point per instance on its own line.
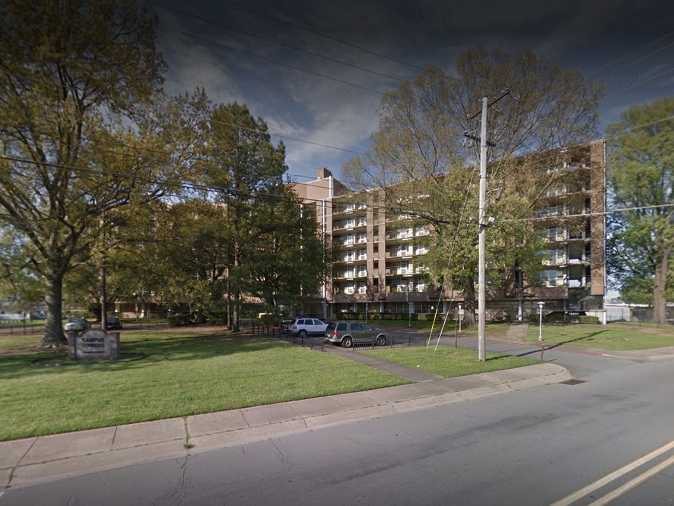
x=349 y=333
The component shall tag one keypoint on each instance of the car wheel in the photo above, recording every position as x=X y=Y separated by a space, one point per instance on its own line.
x=347 y=342
x=381 y=341
x=302 y=334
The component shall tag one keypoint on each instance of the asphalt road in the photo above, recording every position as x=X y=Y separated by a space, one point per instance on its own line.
x=530 y=447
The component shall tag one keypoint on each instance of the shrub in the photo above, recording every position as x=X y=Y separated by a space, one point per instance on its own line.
x=178 y=319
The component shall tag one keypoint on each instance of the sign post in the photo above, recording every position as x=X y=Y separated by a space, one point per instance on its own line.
x=460 y=317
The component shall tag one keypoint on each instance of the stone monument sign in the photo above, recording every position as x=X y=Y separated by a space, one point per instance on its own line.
x=94 y=345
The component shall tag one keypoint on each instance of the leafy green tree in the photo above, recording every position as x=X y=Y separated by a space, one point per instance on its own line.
x=242 y=166
x=18 y=282
x=192 y=243
x=422 y=163
x=287 y=260
x=83 y=128
x=642 y=165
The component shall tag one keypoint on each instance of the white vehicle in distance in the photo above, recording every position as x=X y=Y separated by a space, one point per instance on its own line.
x=307 y=327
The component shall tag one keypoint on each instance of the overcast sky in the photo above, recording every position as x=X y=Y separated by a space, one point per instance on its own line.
x=244 y=51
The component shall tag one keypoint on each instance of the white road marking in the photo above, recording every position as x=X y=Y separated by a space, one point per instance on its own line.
x=579 y=494
x=633 y=482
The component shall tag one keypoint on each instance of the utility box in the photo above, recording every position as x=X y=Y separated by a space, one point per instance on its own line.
x=94 y=345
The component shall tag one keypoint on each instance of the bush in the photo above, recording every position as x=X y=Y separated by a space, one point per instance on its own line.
x=178 y=319
x=588 y=319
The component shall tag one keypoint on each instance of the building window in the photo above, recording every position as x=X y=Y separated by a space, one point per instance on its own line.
x=552 y=278
x=554 y=257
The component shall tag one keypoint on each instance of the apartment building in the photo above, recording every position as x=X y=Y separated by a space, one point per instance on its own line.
x=378 y=257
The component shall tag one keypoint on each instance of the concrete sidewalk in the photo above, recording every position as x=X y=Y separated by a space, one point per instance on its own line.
x=27 y=461
x=415 y=375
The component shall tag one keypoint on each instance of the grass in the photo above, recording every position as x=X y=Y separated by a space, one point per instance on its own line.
x=612 y=337
x=19 y=324
x=448 y=361
x=450 y=327
x=163 y=374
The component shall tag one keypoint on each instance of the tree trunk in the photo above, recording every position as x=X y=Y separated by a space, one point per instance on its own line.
x=659 y=291
x=229 y=303
x=469 y=302
x=53 y=331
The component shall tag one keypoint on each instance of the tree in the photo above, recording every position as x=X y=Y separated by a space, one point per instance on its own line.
x=287 y=260
x=18 y=282
x=642 y=163
x=242 y=166
x=420 y=161
x=82 y=128
x=192 y=246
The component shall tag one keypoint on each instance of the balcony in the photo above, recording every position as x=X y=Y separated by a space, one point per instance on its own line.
x=413 y=296
x=550 y=292
x=393 y=238
x=400 y=254
x=348 y=209
x=354 y=297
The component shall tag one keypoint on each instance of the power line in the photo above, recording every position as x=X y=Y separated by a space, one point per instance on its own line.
x=289 y=46
x=620 y=61
x=292 y=67
x=197 y=186
x=584 y=215
x=215 y=189
x=643 y=125
x=313 y=30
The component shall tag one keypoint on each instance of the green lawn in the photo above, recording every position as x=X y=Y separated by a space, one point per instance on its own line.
x=496 y=329
x=164 y=374
x=614 y=336
x=448 y=361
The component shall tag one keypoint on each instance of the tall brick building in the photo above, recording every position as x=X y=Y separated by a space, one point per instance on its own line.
x=377 y=258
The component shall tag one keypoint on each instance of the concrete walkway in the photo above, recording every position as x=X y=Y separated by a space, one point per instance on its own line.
x=27 y=461
x=415 y=375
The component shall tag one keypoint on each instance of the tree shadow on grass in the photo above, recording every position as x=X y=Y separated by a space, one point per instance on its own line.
x=145 y=352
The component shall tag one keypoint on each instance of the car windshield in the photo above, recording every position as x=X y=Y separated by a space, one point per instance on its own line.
x=331 y=326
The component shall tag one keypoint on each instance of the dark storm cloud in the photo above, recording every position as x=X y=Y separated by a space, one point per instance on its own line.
x=268 y=54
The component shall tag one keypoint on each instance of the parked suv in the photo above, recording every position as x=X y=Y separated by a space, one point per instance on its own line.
x=308 y=326
x=76 y=324
x=349 y=333
x=113 y=323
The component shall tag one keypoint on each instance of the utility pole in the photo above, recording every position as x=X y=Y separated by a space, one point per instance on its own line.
x=482 y=237
x=482 y=234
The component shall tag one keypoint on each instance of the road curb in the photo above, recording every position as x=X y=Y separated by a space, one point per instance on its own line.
x=295 y=417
